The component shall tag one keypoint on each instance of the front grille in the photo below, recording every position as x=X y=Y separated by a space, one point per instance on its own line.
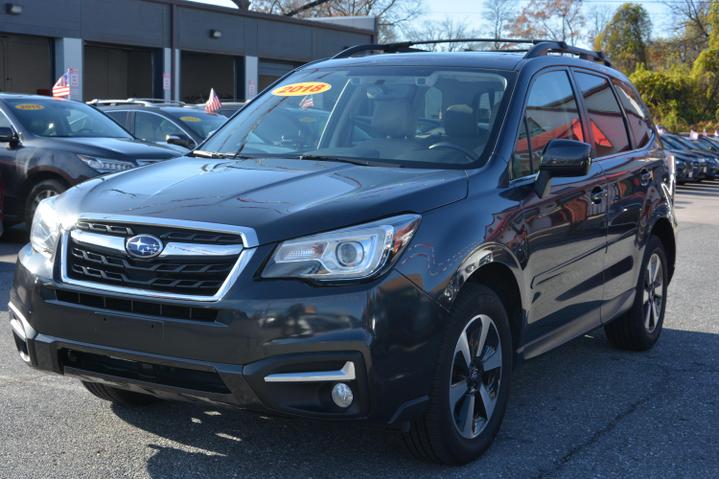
x=194 y=275
x=164 y=233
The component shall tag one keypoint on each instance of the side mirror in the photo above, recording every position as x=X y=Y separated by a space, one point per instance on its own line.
x=180 y=140
x=8 y=135
x=562 y=159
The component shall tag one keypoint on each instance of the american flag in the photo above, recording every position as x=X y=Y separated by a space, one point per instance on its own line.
x=307 y=102
x=61 y=88
x=213 y=103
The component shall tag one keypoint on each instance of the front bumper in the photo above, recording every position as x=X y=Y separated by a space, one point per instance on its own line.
x=224 y=352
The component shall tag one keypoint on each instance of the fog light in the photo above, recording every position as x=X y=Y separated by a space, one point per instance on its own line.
x=342 y=395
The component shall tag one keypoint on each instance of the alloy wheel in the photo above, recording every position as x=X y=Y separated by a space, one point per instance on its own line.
x=653 y=299
x=475 y=376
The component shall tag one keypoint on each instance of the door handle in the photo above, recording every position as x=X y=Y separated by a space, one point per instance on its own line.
x=597 y=195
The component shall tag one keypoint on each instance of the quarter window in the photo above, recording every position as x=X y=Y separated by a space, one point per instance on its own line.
x=551 y=113
x=637 y=114
x=606 y=120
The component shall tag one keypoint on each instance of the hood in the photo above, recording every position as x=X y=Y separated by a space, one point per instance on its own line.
x=278 y=198
x=115 y=148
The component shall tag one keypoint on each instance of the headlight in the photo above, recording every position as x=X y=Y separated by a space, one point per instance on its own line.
x=106 y=165
x=45 y=229
x=351 y=253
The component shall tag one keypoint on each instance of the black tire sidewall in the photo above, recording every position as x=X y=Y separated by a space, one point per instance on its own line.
x=653 y=246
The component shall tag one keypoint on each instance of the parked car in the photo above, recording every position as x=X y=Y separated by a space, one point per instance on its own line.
x=703 y=159
x=49 y=144
x=686 y=167
x=162 y=123
x=454 y=215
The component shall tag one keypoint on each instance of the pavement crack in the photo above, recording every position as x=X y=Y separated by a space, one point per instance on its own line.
x=607 y=428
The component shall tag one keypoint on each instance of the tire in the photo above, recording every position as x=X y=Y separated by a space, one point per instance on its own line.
x=640 y=327
x=43 y=189
x=119 y=396
x=443 y=434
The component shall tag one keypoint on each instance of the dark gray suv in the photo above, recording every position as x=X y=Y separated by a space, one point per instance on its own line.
x=379 y=237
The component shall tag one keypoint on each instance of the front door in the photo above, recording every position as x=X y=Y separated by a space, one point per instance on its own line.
x=565 y=229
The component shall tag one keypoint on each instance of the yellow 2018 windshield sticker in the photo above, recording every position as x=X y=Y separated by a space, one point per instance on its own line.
x=301 y=89
x=190 y=119
x=29 y=106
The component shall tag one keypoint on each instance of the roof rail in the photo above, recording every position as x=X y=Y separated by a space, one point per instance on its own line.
x=403 y=47
x=135 y=101
x=539 y=48
x=552 y=46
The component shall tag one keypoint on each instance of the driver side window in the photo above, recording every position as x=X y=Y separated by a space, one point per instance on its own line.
x=154 y=128
x=551 y=113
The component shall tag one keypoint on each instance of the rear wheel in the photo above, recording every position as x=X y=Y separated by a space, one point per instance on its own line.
x=471 y=385
x=639 y=328
x=42 y=190
x=118 y=396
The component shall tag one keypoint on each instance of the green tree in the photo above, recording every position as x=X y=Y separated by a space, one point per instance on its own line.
x=667 y=94
x=626 y=36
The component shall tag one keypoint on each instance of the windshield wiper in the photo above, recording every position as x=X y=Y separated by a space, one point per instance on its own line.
x=347 y=159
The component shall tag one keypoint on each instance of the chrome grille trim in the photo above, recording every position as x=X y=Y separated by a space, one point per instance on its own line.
x=248 y=235
x=171 y=250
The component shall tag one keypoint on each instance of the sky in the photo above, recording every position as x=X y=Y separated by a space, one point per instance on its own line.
x=471 y=10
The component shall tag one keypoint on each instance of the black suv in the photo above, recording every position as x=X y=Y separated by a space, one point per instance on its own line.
x=168 y=124
x=379 y=237
x=49 y=144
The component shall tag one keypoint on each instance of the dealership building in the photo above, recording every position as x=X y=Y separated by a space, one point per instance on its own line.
x=172 y=49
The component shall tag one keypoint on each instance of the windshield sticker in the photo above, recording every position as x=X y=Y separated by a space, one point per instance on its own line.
x=29 y=106
x=301 y=89
x=190 y=119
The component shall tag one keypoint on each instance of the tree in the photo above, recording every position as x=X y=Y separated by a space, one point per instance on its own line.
x=499 y=13
x=597 y=20
x=667 y=95
x=392 y=15
x=444 y=29
x=555 y=19
x=625 y=37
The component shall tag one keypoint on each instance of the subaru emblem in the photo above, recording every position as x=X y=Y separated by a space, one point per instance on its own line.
x=144 y=246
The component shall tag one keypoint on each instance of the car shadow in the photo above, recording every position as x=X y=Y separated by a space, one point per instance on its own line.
x=562 y=402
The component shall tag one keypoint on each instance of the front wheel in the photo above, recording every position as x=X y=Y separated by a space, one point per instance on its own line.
x=470 y=389
x=42 y=190
x=639 y=328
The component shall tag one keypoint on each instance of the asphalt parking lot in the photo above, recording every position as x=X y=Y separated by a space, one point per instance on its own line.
x=584 y=410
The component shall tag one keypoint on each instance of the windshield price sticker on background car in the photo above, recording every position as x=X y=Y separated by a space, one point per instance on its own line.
x=29 y=106
x=190 y=119
x=300 y=89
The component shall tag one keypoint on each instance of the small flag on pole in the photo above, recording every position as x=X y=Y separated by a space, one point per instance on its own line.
x=307 y=102
x=693 y=135
x=213 y=103
x=61 y=88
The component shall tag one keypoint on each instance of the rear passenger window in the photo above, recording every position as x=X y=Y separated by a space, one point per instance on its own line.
x=606 y=121
x=637 y=114
x=551 y=114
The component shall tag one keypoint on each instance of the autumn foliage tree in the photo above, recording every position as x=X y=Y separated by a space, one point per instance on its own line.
x=553 y=19
x=626 y=36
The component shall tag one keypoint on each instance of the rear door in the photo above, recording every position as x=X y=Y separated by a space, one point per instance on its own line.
x=622 y=144
x=565 y=229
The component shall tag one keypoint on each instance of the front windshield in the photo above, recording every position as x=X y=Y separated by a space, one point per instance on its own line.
x=201 y=123
x=674 y=143
x=64 y=119
x=381 y=113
